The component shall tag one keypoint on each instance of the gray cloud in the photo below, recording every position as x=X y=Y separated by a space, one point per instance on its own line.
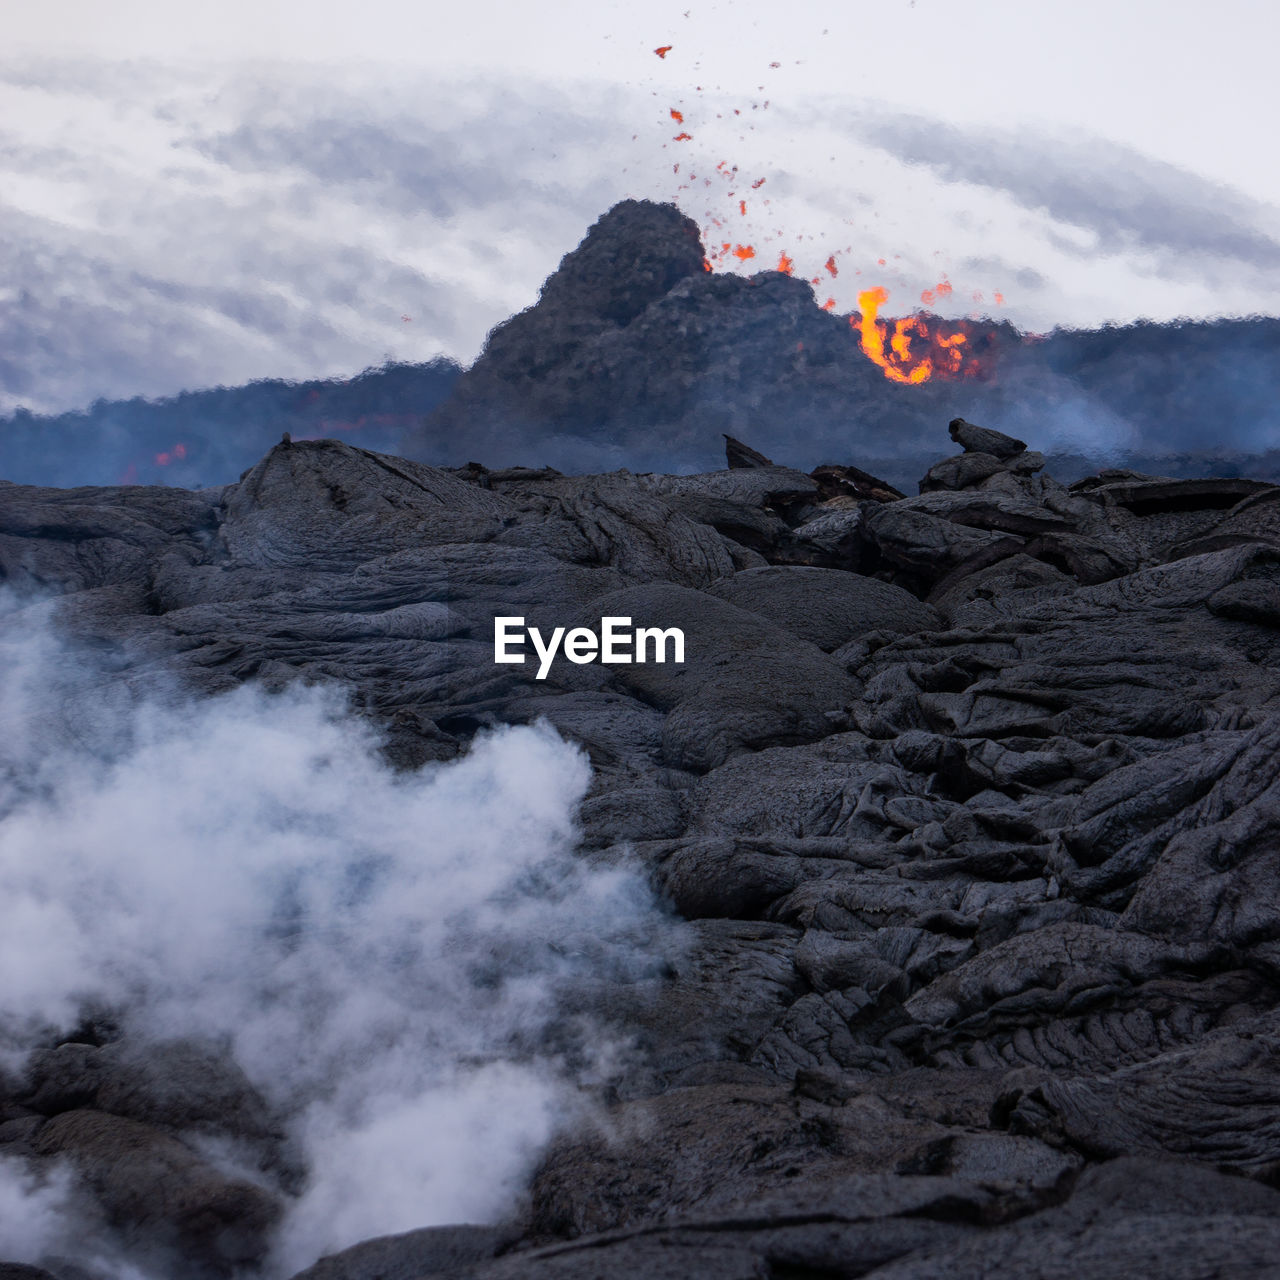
x=1028 y=279
x=86 y=323
x=241 y=227
x=438 y=161
x=1123 y=198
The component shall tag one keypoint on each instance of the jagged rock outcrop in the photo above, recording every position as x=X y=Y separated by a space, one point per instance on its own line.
x=967 y=802
x=634 y=352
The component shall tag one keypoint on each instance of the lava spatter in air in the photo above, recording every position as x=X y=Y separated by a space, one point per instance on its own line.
x=910 y=350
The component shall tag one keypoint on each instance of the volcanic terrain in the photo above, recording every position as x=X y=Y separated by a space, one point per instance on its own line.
x=964 y=806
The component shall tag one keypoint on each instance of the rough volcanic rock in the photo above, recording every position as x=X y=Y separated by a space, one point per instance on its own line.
x=965 y=805
x=740 y=456
x=826 y=606
x=744 y=684
x=161 y=1193
x=974 y=439
x=986 y=454
x=177 y=1085
x=411 y=1255
x=839 y=480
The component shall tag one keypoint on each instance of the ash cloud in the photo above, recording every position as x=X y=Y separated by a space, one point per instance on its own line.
x=383 y=955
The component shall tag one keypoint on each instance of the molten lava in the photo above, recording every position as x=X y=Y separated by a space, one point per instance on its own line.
x=873 y=334
x=915 y=348
x=910 y=350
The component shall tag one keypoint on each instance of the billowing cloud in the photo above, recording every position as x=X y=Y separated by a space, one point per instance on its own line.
x=1123 y=200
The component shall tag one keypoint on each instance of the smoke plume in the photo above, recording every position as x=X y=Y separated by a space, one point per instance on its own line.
x=382 y=954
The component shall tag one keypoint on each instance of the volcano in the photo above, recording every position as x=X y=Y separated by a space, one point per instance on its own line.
x=637 y=355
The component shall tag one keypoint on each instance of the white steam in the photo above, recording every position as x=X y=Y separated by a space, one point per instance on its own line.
x=33 y=1214
x=382 y=953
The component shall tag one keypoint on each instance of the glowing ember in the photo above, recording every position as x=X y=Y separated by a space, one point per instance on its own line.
x=177 y=453
x=785 y=264
x=952 y=345
x=744 y=251
x=677 y=116
x=682 y=137
x=663 y=49
x=830 y=265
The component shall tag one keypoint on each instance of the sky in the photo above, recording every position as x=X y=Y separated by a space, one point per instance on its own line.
x=197 y=195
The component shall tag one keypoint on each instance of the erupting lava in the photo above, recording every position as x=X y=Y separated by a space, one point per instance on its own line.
x=938 y=351
x=909 y=350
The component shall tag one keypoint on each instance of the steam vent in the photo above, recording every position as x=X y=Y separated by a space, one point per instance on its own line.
x=922 y=922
